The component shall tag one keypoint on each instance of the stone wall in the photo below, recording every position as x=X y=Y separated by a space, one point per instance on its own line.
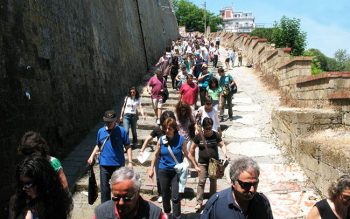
x=322 y=106
x=63 y=63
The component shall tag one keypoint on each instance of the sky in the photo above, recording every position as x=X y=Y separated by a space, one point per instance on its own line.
x=326 y=23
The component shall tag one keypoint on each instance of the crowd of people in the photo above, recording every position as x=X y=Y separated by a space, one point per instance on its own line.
x=42 y=189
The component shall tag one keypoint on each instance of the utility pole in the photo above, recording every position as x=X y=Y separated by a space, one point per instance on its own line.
x=205 y=19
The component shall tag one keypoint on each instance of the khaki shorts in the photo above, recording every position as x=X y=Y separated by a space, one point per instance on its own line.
x=157 y=103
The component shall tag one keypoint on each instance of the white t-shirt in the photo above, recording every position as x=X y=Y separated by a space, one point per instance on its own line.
x=213 y=114
x=131 y=105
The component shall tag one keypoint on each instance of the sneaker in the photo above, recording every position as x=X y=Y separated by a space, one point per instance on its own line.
x=230 y=118
x=158 y=121
x=160 y=199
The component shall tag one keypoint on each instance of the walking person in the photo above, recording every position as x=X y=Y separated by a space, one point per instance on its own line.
x=226 y=83
x=32 y=143
x=157 y=132
x=181 y=77
x=208 y=111
x=216 y=53
x=207 y=143
x=189 y=92
x=164 y=63
x=39 y=192
x=155 y=87
x=232 y=57
x=174 y=71
x=241 y=199
x=169 y=179
x=110 y=143
x=337 y=205
x=227 y=59
x=239 y=56
x=185 y=122
x=129 y=113
x=203 y=82
x=215 y=92
x=127 y=203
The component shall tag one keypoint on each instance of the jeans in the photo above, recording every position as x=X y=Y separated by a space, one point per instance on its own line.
x=105 y=175
x=226 y=100
x=202 y=178
x=130 y=120
x=158 y=181
x=215 y=61
x=202 y=94
x=169 y=182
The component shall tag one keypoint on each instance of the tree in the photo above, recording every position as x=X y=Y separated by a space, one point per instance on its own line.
x=192 y=17
x=341 y=58
x=263 y=33
x=287 y=33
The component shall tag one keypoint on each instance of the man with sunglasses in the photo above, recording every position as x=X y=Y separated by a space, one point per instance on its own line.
x=126 y=202
x=241 y=200
x=110 y=143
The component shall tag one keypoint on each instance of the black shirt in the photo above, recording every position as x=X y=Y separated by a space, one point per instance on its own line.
x=212 y=144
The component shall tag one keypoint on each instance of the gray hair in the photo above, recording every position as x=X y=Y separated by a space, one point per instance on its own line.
x=126 y=173
x=158 y=69
x=338 y=186
x=240 y=165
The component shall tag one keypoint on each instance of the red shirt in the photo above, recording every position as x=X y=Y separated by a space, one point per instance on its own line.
x=189 y=93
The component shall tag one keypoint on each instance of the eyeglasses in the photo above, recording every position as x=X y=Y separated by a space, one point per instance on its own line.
x=247 y=185
x=125 y=198
x=345 y=197
x=27 y=185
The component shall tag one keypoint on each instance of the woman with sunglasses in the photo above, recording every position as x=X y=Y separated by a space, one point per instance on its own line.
x=129 y=114
x=168 y=177
x=207 y=142
x=33 y=144
x=336 y=206
x=39 y=193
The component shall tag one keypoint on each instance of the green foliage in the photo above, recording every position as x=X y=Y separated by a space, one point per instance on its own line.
x=263 y=33
x=193 y=17
x=287 y=33
x=322 y=63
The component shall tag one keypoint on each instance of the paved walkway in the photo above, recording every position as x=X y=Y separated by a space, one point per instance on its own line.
x=248 y=134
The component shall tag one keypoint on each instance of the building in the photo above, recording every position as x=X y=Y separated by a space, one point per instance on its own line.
x=238 y=22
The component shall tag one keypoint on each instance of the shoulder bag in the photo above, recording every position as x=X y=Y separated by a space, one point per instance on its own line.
x=122 y=113
x=92 y=187
x=101 y=149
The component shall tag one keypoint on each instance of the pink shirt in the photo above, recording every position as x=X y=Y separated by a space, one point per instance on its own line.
x=157 y=85
x=189 y=93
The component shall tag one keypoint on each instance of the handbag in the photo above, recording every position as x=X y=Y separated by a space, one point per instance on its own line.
x=234 y=88
x=122 y=113
x=165 y=93
x=92 y=187
x=216 y=169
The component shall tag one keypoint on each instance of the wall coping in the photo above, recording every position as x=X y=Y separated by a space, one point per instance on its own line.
x=295 y=59
x=325 y=75
x=339 y=95
x=271 y=55
x=260 y=40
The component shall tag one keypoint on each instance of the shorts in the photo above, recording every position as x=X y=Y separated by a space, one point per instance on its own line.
x=227 y=60
x=157 y=103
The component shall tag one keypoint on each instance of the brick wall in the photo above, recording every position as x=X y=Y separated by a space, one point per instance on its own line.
x=75 y=59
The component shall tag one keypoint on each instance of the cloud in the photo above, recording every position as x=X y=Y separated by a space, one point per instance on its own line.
x=327 y=38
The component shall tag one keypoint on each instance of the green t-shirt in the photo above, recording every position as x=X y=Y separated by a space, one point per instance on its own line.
x=214 y=94
x=55 y=163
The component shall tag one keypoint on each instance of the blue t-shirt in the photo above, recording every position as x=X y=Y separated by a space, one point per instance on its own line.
x=166 y=160
x=225 y=80
x=113 y=151
x=205 y=82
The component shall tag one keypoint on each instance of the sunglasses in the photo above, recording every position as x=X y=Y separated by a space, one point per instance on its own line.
x=247 y=185
x=27 y=185
x=125 y=198
x=208 y=128
x=208 y=103
x=133 y=92
x=345 y=197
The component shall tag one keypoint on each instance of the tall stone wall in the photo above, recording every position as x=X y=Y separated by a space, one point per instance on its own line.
x=62 y=63
x=315 y=131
